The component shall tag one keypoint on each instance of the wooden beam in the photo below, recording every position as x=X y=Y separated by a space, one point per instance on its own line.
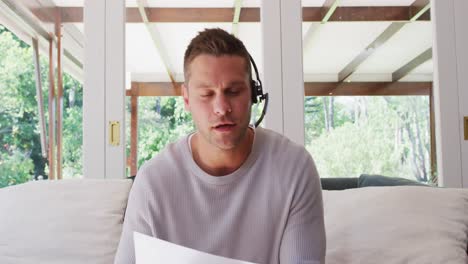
x=40 y=101
x=156 y=37
x=133 y=132
x=367 y=88
x=309 y=36
x=155 y=89
x=30 y=18
x=362 y=14
x=416 y=11
x=157 y=14
x=51 y=111
x=414 y=63
x=33 y=16
x=248 y=14
x=391 y=30
x=236 y=18
x=72 y=58
x=419 y=8
x=59 y=106
x=328 y=9
x=310 y=88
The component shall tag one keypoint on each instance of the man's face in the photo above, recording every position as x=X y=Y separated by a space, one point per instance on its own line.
x=217 y=93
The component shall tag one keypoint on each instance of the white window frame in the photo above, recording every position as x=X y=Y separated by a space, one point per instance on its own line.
x=104 y=88
x=450 y=90
x=281 y=23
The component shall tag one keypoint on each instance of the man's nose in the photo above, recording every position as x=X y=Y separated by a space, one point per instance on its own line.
x=221 y=106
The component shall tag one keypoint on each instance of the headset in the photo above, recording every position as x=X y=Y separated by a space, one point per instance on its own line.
x=257 y=92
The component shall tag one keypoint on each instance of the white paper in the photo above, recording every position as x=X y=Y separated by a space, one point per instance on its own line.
x=150 y=250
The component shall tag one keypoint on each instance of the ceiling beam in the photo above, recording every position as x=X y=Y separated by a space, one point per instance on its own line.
x=362 y=14
x=155 y=89
x=328 y=9
x=309 y=36
x=310 y=89
x=367 y=88
x=370 y=49
x=419 y=8
x=235 y=20
x=416 y=10
x=156 y=37
x=413 y=64
x=249 y=14
x=33 y=21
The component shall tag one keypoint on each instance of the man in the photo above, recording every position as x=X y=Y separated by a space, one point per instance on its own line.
x=227 y=189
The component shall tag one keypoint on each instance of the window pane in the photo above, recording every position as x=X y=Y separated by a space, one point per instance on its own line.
x=368 y=81
x=21 y=157
x=161 y=120
x=386 y=135
x=154 y=66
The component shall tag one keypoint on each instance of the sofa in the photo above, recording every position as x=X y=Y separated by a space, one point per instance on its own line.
x=79 y=221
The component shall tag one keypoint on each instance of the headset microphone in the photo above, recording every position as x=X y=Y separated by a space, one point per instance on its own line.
x=257 y=92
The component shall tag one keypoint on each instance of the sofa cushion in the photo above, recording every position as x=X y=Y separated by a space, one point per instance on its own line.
x=366 y=180
x=403 y=224
x=335 y=184
x=67 y=221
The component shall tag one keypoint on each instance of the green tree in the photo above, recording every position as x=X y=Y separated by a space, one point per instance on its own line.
x=376 y=135
x=161 y=120
x=19 y=127
x=18 y=121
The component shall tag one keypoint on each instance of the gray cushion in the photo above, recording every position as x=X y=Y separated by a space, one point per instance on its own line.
x=379 y=180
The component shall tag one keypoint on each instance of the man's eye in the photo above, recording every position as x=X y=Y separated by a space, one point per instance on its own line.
x=233 y=92
x=205 y=95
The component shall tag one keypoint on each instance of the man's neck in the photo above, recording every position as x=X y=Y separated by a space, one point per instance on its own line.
x=219 y=162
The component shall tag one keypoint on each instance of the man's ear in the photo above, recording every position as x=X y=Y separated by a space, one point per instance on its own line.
x=185 y=96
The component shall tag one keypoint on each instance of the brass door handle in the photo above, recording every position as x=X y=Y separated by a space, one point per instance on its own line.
x=114 y=133
x=465 y=122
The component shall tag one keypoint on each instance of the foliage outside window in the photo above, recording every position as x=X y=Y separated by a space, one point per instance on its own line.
x=20 y=149
x=386 y=135
x=161 y=120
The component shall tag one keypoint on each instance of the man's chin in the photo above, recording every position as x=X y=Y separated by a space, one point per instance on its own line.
x=225 y=145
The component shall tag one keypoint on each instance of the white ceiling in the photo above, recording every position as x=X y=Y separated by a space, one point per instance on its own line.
x=143 y=58
x=412 y=40
x=332 y=46
x=327 y=48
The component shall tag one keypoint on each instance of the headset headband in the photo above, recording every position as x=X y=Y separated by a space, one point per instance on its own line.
x=257 y=92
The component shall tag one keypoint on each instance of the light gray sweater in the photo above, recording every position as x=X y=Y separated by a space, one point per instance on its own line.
x=269 y=210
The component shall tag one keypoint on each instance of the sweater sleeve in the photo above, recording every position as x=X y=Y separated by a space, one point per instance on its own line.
x=304 y=240
x=136 y=219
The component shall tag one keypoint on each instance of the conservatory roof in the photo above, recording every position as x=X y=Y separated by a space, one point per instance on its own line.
x=363 y=40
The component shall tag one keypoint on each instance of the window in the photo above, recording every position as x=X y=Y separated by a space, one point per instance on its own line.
x=387 y=135
x=154 y=66
x=368 y=89
x=21 y=157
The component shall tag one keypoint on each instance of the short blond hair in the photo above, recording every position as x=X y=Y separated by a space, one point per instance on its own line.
x=216 y=42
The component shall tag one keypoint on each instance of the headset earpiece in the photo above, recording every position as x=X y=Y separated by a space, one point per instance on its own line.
x=256 y=85
x=256 y=89
x=257 y=92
